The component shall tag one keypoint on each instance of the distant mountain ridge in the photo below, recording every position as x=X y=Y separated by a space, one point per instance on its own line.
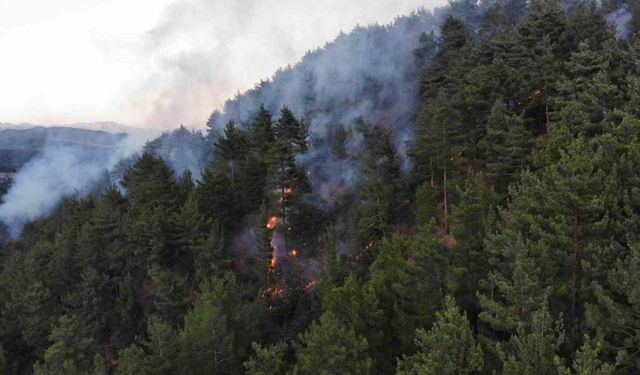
x=107 y=126
x=18 y=146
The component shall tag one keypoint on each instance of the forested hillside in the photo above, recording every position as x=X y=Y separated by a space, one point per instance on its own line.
x=18 y=146
x=500 y=238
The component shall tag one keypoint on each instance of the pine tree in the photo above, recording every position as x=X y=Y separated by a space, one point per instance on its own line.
x=339 y=145
x=398 y=277
x=169 y=291
x=262 y=132
x=505 y=146
x=588 y=24
x=587 y=361
x=133 y=361
x=217 y=331
x=330 y=347
x=447 y=348
x=292 y=131
x=268 y=360
x=425 y=204
x=254 y=172
x=263 y=237
x=553 y=231
x=232 y=147
x=465 y=10
x=514 y=10
x=380 y=193
x=150 y=183
x=210 y=256
x=185 y=183
x=156 y=355
x=588 y=94
x=287 y=182
x=335 y=269
x=450 y=63
x=426 y=50
x=359 y=305
x=615 y=314
x=213 y=195
x=91 y=302
x=534 y=346
x=634 y=22
x=72 y=351
x=493 y=20
x=465 y=261
x=440 y=145
x=545 y=19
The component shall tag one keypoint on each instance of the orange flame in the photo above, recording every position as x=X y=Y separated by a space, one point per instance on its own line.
x=274 y=292
x=311 y=284
x=273 y=262
x=366 y=248
x=273 y=221
x=286 y=193
x=293 y=253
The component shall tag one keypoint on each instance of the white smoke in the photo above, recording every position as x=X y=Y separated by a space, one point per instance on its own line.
x=57 y=172
x=369 y=74
x=620 y=19
x=203 y=52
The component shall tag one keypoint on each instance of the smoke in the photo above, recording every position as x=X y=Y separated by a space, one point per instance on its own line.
x=369 y=75
x=182 y=149
x=620 y=18
x=202 y=52
x=59 y=171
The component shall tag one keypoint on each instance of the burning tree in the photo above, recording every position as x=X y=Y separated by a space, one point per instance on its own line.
x=286 y=179
x=286 y=182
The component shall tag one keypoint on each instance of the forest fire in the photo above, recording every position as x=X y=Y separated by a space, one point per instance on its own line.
x=368 y=247
x=273 y=262
x=274 y=292
x=293 y=253
x=273 y=221
x=312 y=284
x=286 y=193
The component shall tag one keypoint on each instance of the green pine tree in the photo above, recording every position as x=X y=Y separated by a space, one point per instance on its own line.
x=330 y=346
x=447 y=348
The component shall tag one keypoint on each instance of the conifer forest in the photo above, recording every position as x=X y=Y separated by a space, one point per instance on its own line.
x=468 y=204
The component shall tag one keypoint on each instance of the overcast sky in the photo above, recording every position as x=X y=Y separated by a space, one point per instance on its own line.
x=158 y=63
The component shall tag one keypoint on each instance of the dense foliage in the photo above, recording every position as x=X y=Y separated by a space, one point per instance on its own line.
x=510 y=247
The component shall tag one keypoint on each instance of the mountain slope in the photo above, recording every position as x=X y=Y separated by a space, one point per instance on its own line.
x=18 y=146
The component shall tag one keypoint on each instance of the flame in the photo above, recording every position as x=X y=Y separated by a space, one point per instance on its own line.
x=286 y=193
x=274 y=292
x=311 y=284
x=273 y=262
x=366 y=248
x=273 y=221
x=293 y=253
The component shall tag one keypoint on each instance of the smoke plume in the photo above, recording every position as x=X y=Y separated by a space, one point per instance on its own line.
x=368 y=75
x=59 y=171
x=202 y=52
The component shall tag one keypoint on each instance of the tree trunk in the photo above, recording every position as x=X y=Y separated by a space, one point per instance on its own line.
x=546 y=106
x=576 y=260
x=444 y=189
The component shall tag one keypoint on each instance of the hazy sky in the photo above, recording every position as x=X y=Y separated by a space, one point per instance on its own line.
x=158 y=63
